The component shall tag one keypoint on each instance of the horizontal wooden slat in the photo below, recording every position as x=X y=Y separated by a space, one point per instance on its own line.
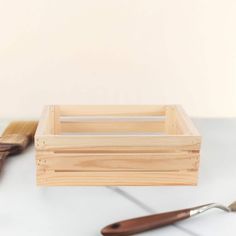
x=137 y=149
x=52 y=178
x=57 y=142
x=118 y=110
x=117 y=162
x=71 y=127
x=93 y=118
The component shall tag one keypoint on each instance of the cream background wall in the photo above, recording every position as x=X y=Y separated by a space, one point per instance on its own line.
x=118 y=52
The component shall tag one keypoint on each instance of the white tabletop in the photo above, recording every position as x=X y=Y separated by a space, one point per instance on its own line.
x=28 y=210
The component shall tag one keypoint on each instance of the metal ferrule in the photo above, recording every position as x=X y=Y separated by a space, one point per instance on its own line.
x=202 y=209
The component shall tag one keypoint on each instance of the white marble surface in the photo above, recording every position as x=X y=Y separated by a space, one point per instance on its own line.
x=27 y=210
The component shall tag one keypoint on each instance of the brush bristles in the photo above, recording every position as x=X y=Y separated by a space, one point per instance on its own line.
x=26 y=128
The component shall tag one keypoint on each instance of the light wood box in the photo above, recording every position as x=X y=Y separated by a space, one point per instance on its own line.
x=116 y=145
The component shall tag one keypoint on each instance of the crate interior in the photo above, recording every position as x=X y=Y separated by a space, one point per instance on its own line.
x=117 y=120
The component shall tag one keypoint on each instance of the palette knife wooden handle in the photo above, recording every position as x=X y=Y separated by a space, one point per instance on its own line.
x=141 y=224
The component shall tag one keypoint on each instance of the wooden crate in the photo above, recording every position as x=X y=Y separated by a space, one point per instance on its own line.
x=116 y=145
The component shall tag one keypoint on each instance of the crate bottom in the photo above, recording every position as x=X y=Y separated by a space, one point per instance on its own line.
x=129 y=178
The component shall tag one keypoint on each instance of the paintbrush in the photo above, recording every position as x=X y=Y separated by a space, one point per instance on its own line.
x=145 y=223
x=15 y=138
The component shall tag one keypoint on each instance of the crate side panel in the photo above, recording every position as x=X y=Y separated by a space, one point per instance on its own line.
x=52 y=178
x=117 y=161
x=64 y=142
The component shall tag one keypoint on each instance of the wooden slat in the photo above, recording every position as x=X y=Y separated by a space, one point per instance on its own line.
x=118 y=110
x=127 y=149
x=184 y=122
x=117 y=162
x=57 y=142
x=170 y=122
x=51 y=120
x=150 y=178
x=69 y=127
x=43 y=126
x=57 y=124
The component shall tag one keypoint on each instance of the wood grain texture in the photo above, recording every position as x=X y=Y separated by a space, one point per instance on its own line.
x=101 y=151
x=112 y=126
x=124 y=178
x=170 y=122
x=56 y=122
x=57 y=142
x=118 y=161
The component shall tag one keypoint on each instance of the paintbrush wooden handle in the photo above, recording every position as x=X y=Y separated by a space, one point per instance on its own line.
x=141 y=224
x=3 y=156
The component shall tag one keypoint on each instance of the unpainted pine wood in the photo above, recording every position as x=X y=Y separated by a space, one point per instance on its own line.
x=57 y=123
x=57 y=142
x=116 y=153
x=121 y=149
x=44 y=123
x=109 y=126
x=118 y=110
x=150 y=178
x=170 y=121
x=185 y=122
x=54 y=119
x=117 y=161
x=51 y=120
x=113 y=118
